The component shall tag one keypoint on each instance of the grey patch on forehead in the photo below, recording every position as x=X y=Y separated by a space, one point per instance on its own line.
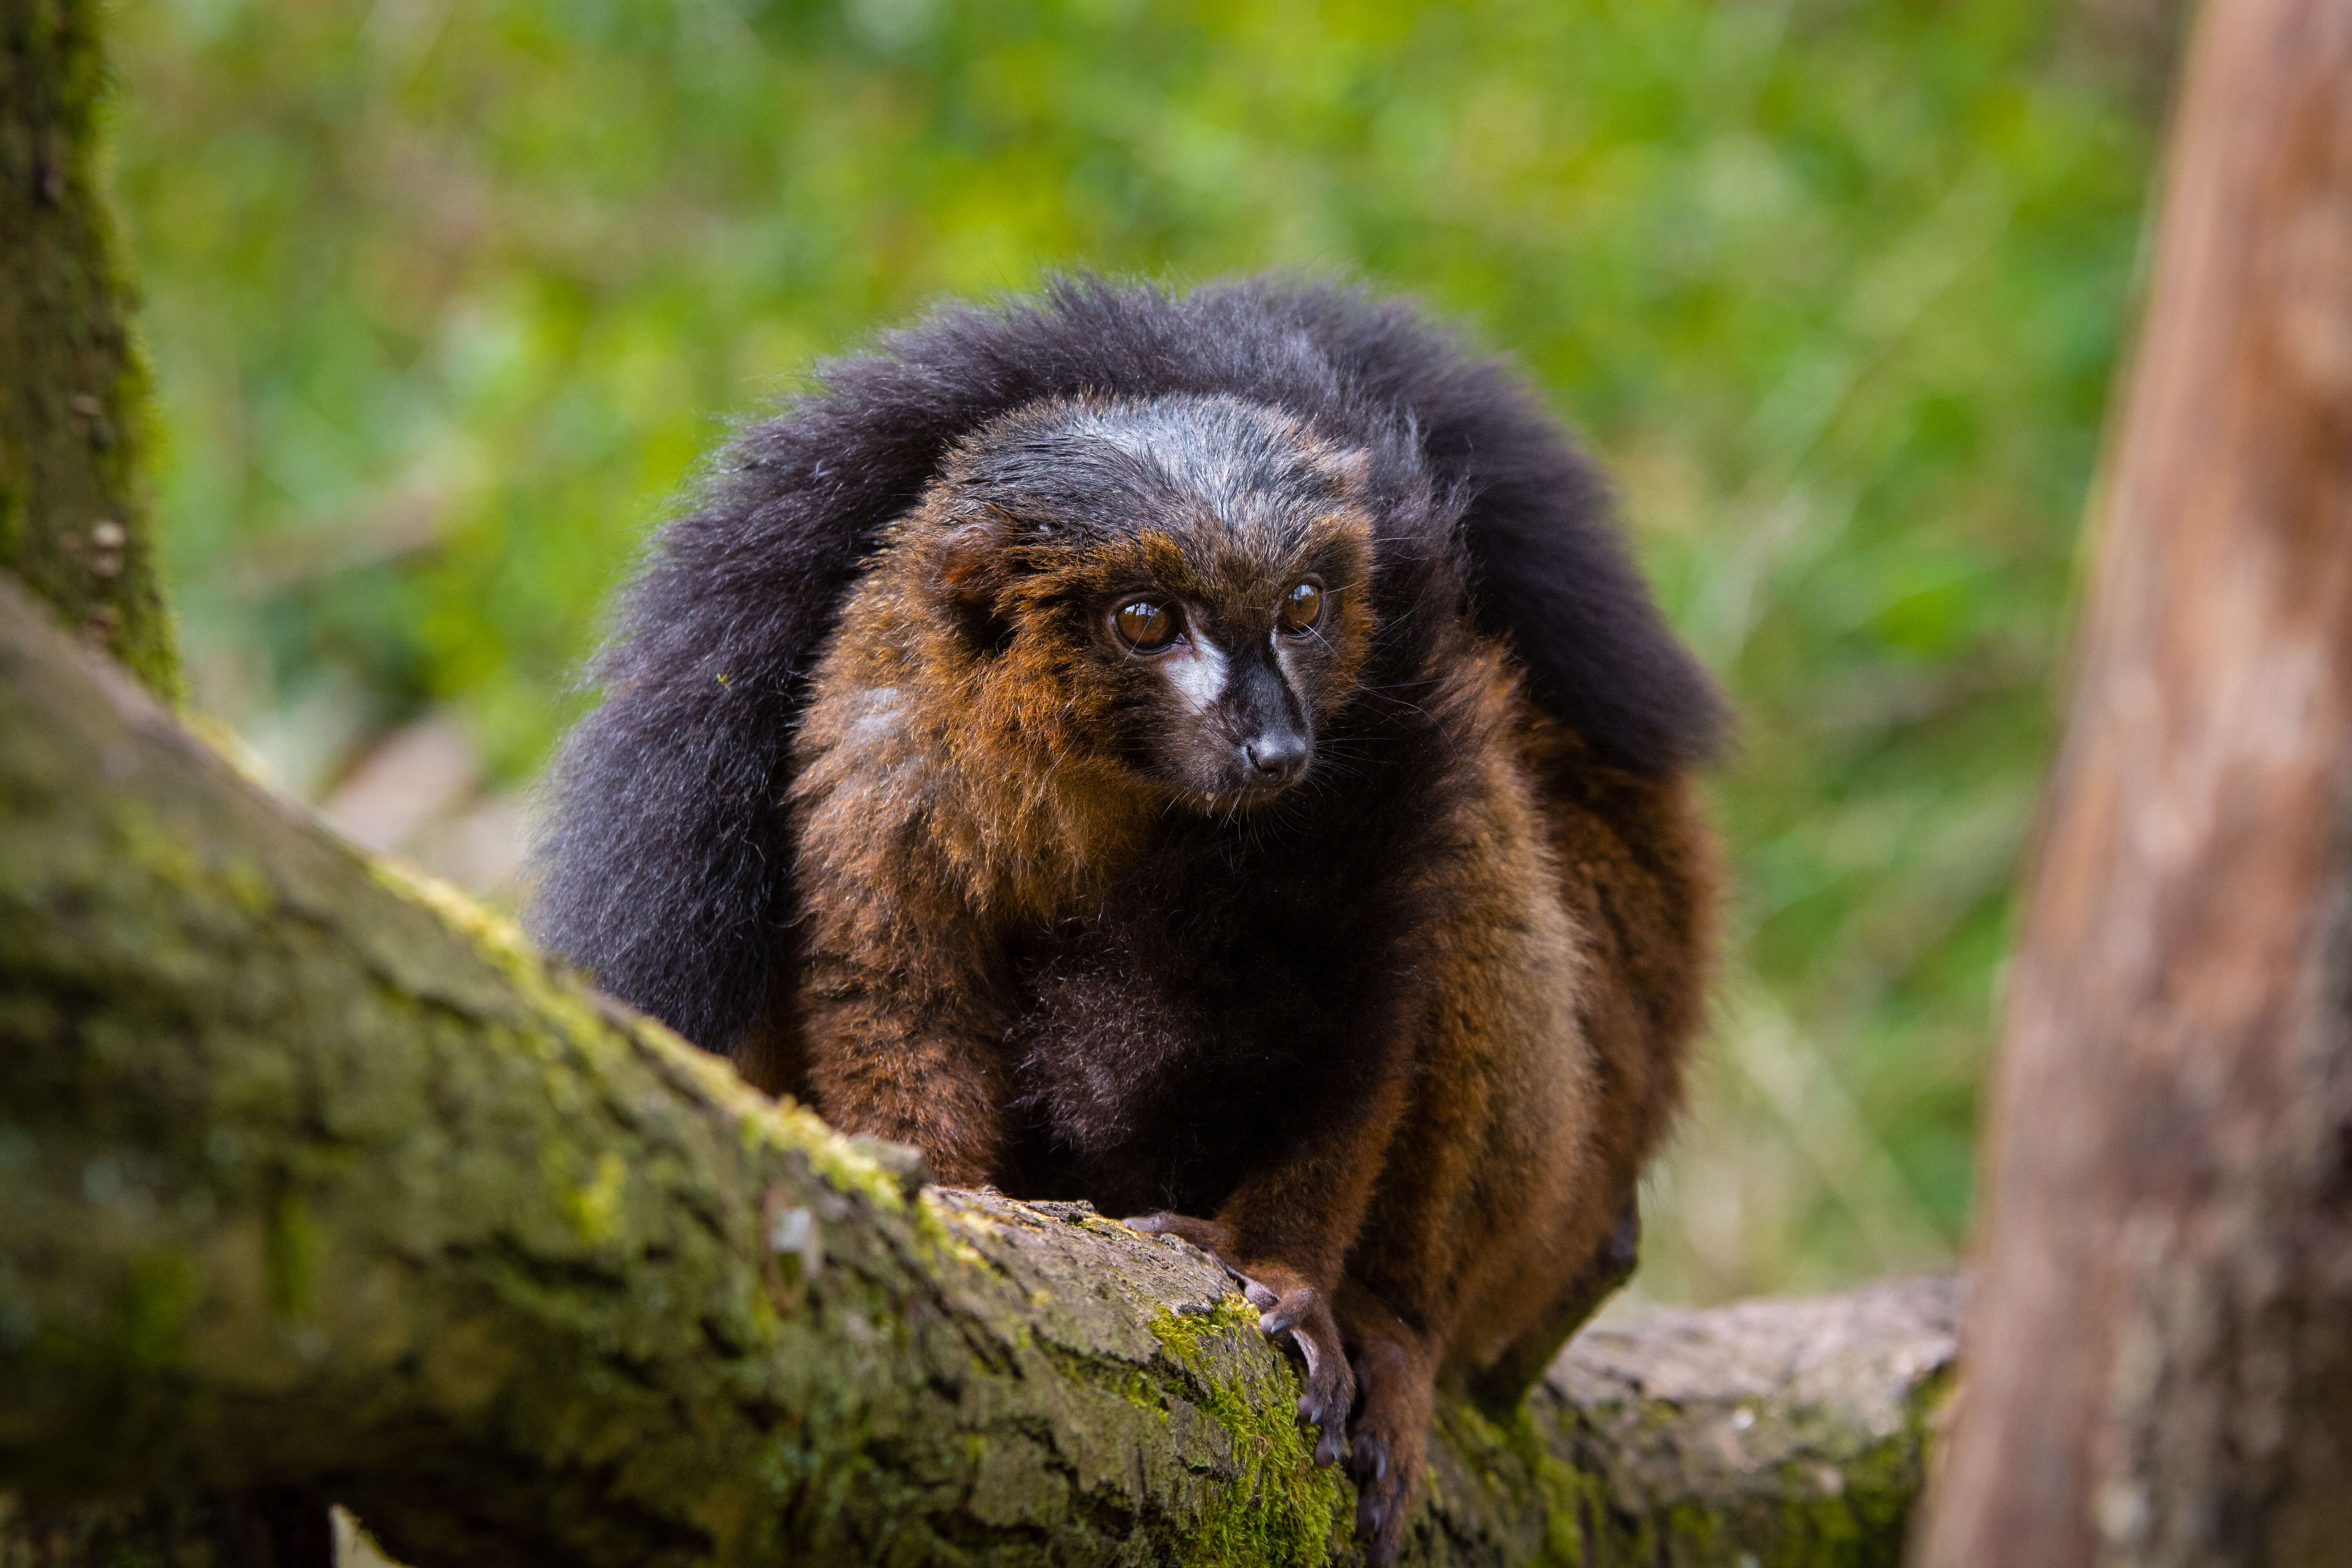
x=1103 y=466
x=1222 y=449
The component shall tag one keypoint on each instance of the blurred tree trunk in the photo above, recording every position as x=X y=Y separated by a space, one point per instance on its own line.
x=2136 y=42
x=73 y=392
x=2160 y=1369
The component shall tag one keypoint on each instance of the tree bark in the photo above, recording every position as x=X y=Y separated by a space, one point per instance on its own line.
x=73 y=390
x=318 y=1180
x=2160 y=1367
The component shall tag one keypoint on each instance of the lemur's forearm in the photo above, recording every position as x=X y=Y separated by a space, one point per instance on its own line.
x=886 y=1060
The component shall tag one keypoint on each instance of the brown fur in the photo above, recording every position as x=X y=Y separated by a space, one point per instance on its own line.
x=1466 y=1141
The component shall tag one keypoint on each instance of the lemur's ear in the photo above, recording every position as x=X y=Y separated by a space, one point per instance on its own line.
x=968 y=572
x=970 y=561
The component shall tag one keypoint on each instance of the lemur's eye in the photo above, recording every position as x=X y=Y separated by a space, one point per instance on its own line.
x=1302 y=608
x=1144 y=626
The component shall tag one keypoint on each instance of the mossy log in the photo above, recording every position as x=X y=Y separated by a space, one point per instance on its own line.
x=321 y=1183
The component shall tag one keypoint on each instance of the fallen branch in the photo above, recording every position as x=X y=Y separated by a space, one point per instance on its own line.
x=319 y=1181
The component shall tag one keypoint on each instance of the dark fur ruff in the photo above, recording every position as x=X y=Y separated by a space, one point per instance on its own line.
x=880 y=802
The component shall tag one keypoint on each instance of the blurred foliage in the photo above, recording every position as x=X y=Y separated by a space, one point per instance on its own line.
x=445 y=299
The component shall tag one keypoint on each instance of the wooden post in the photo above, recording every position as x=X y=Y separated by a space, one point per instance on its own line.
x=2159 y=1365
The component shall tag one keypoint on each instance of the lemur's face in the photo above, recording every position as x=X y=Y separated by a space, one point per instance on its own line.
x=1177 y=590
x=1220 y=665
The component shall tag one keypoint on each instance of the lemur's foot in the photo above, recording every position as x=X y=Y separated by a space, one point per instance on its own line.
x=1286 y=1305
x=1387 y=1455
x=1304 y=1313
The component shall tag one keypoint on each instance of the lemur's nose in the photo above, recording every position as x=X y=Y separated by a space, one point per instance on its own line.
x=1277 y=756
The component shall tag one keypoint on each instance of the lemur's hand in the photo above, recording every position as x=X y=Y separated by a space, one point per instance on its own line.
x=1289 y=1305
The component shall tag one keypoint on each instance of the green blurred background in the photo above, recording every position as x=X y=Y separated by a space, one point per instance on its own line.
x=444 y=300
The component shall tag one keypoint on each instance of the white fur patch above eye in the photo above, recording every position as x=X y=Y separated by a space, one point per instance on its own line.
x=1195 y=667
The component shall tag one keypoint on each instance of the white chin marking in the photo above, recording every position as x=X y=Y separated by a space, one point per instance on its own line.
x=1197 y=672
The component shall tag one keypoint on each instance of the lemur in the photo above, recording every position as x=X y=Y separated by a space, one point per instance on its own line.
x=1208 y=754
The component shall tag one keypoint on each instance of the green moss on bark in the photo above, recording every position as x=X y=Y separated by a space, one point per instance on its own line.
x=1292 y=1511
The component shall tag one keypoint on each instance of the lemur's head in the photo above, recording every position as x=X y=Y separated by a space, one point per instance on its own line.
x=1173 y=592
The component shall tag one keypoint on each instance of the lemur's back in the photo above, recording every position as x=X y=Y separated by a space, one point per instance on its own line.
x=665 y=866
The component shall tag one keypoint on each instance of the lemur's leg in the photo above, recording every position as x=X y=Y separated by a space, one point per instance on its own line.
x=1500 y=1385
x=1396 y=1371
x=1497 y=1189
